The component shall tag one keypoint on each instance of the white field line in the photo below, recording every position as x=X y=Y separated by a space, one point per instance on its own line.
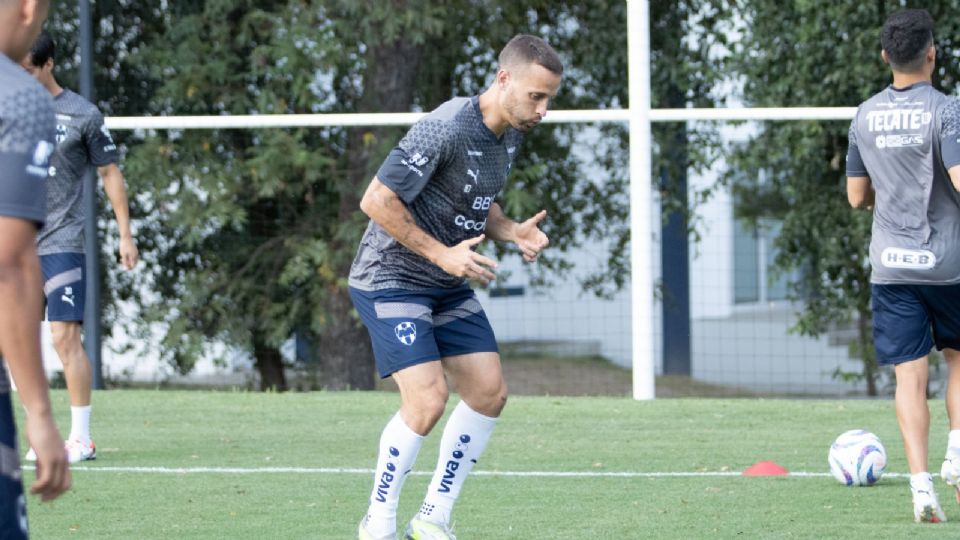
x=333 y=470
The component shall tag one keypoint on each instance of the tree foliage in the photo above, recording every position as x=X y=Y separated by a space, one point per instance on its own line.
x=819 y=53
x=247 y=235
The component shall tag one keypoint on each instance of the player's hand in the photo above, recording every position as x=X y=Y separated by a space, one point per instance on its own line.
x=461 y=261
x=53 y=469
x=129 y=256
x=530 y=239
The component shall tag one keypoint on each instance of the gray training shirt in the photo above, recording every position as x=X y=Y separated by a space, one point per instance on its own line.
x=82 y=141
x=904 y=141
x=26 y=142
x=447 y=170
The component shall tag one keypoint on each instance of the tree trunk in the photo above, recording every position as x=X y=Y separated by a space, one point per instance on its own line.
x=867 y=352
x=346 y=356
x=269 y=364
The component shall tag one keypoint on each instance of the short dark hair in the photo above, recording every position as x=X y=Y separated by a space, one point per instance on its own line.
x=527 y=49
x=906 y=36
x=43 y=49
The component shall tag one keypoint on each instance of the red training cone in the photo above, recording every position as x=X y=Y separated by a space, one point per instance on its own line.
x=765 y=468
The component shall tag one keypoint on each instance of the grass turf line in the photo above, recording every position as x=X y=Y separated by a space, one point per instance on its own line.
x=339 y=430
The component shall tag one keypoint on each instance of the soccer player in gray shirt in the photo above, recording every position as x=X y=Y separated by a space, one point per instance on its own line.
x=82 y=141
x=26 y=141
x=904 y=163
x=430 y=204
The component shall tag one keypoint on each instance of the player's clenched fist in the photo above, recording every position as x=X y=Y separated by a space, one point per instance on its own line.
x=461 y=261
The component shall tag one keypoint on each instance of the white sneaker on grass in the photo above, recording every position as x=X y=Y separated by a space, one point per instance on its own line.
x=926 y=508
x=78 y=451
x=950 y=470
x=420 y=529
x=364 y=534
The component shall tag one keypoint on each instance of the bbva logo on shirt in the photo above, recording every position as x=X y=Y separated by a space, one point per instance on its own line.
x=406 y=332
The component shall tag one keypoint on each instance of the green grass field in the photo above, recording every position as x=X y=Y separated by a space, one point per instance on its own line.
x=227 y=442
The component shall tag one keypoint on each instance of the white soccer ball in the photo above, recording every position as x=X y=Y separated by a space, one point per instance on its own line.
x=857 y=458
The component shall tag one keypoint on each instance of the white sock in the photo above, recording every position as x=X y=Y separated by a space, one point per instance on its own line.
x=80 y=424
x=464 y=439
x=953 y=441
x=399 y=446
x=921 y=482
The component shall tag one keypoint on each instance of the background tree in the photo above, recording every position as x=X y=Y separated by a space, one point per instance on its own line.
x=247 y=235
x=819 y=53
x=258 y=228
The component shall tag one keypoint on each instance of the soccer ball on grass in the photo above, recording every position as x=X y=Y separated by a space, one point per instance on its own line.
x=857 y=458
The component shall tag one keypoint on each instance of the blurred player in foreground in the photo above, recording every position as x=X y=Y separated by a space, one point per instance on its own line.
x=26 y=142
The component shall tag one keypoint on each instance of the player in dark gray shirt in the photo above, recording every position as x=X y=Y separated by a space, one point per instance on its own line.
x=26 y=142
x=430 y=204
x=904 y=163
x=83 y=141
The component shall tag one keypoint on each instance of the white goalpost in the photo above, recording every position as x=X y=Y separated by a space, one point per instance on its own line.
x=638 y=116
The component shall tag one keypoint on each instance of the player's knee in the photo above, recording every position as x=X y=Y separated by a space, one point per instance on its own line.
x=491 y=400
x=426 y=408
x=66 y=339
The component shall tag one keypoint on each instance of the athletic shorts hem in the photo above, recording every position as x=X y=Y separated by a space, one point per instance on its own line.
x=407 y=364
x=64 y=318
x=900 y=359
x=455 y=352
x=952 y=345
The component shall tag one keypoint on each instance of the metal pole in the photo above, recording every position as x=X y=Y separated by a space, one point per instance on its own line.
x=641 y=242
x=91 y=316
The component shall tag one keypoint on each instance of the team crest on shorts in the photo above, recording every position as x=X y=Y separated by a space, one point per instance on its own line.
x=406 y=332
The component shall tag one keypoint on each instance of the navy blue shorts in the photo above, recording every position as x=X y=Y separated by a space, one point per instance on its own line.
x=13 y=505
x=908 y=320
x=64 y=285
x=412 y=327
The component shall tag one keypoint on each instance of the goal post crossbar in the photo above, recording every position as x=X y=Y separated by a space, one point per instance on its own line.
x=256 y=121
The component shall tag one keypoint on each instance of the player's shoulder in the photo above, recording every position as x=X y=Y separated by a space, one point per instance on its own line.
x=450 y=110
x=950 y=112
x=21 y=96
x=440 y=126
x=73 y=104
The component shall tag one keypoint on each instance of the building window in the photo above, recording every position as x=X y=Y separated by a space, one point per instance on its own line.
x=753 y=262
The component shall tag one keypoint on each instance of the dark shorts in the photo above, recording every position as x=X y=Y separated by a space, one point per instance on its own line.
x=908 y=320
x=412 y=327
x=13 y=505
x=64 y=285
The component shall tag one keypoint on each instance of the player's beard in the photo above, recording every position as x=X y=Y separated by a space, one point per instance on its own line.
x=526 y=125
x=522 y=124
x=518 y=120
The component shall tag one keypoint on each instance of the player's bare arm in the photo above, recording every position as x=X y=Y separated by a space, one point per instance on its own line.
x=386 y=209
x=526 y=235
x=955 y=177
x=115 y=188
x=860 y=192
x=20 y=313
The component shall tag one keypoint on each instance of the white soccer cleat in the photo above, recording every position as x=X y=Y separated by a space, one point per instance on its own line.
x=364 y=534
x=31 y=455
x=950 y=471
x=78 y=451
x=926 y=508
x=419 y=529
